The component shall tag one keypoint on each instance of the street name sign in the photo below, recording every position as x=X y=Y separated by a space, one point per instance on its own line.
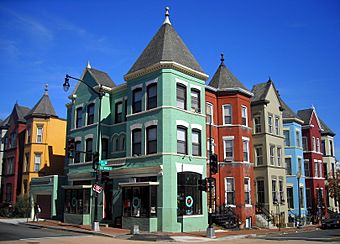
x=108 y=168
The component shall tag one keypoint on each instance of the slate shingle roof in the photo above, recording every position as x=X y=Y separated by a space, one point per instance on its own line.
x=102 y=78
x=305 y=115
x=287 y=112
x=21 y=112
x=166 y=45
x=223 y=78
x=5 y=122
x=43 y=108
x=326 y=129
x=260 y=91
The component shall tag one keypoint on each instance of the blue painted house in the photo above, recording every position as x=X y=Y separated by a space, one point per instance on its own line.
x=295 y=172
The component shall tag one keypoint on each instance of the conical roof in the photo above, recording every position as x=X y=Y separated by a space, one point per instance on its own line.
x=43 y=108
x=224 y=79
x=166 y=45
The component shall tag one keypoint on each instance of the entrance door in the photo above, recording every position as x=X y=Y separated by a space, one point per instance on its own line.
x=44 y=202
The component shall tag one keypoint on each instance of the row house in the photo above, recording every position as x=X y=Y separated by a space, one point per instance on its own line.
x=151 y=133
x=293 y=159
x=3 y=133
x=228 y=111
x=268 y=142
x=313 y=163
x=329 y=163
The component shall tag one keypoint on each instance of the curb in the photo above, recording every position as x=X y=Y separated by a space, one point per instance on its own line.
x=73 y=230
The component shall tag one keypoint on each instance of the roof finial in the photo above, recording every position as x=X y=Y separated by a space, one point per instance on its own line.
x=269 y=78
x=88 y=64
x=313 y=107
x=167 y=20
x=46 y=89
x=222 y=59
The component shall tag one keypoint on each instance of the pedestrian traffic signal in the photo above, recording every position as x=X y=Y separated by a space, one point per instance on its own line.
x=213 y=164
x=95 y=160
x=70 y=147
x=202 y=184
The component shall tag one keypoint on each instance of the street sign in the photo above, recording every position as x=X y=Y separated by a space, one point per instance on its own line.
x=102 y=162
x=97 y=188
x=105 y=168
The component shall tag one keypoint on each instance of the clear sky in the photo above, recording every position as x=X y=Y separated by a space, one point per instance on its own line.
x=297 y=43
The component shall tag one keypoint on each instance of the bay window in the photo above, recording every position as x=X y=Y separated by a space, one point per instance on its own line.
x=151 y=96
x=181 y=96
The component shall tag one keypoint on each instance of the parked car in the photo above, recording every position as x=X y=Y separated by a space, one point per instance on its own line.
x=333 y=222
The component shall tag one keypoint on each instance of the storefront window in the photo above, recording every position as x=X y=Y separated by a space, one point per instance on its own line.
x=77 y=201
x=140 y=201
x=189 y=198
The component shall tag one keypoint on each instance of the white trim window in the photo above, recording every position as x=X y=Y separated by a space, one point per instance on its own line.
x=209 y=112
x=272 y=154
x=258 y=155
x=39 y=134
x=298 y=140
x=270 y=123
x=182 y=135
x=227 y=114
x=314 y=144
x=195 y=100
x=228 y=149
x=279 y=156
x=286 y=138
x=247 y=198
x=196 y=142
x=277 y=125
x=304 y=143
x=181 y=96
x=317 y=144
x=37 y=162
x=229 y=191
x=244 y=115
x=245 y=143
x=257 y=124
x=316 y=169
x=274 y=194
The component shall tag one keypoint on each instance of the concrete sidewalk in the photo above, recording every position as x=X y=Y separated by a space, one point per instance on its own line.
x=161 y=236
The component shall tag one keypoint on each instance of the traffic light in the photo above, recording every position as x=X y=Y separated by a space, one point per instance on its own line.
x=202 y=184
x=71 y=147
x=95 y=160
x=213 y=164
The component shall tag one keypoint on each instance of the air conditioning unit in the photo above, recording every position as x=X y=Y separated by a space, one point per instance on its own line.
x=228 y=159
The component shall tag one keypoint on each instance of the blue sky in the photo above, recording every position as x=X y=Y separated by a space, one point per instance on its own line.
x=297 y=43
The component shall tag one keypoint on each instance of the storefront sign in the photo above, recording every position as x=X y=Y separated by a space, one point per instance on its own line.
x=97 y=188
x=189 y=201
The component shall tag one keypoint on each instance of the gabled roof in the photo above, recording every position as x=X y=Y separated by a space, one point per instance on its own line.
x=305 y=115
x=224 y=79
x=165 y=46
x=43 y=108
x=20 y=112
x=260 y=91
x=4 y=123
x=101 y=77
x=326 y=129
x=288 y=113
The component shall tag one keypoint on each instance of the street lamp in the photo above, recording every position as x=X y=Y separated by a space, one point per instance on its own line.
x=298 y=176
x=100 y=93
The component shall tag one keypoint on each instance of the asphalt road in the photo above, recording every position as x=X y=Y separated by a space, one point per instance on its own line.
x=10 y=232
x=329 y=235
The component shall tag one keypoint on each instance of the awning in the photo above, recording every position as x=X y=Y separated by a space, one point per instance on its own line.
x=149 y=183
x=77 y=187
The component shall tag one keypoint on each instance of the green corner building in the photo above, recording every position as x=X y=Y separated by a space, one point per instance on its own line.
x=153 y=137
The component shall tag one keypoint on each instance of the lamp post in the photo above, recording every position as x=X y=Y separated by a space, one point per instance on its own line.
x=100 y=93
x=210 y=229
x=298 y=176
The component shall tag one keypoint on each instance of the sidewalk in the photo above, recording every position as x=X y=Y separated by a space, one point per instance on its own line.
x=164 y=236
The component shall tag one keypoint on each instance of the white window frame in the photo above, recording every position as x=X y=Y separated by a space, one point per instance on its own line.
x=245 y=139
x=257 y=156
x=272 y=162
x=35 y=161
x=244 y=108
x=226 y=191
x=270 y=123
x=247 y=189
x=212 y=112
x=41 y=136
x=279 y=156
x=317 y=144
x=228 y=138
x=314 y=143
x=231 y=114
x=255 y=125
x=277 y=125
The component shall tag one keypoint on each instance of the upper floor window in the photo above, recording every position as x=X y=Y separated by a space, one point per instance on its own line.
x=230 y=191
x=77 y=152
x=37 y=162
x=10 y=166
x=227 y=114
x=287 y=138
x=89 y=150
x=12 y=141
x=331 y=147
x=272 y=154
x=247 y=190
x=137 y=142
x=195 y=100
x=182 y=140
x=105 y=148
x=304 y=143
x=298 y=140
x=196 y=142
x=125 y=109
x=90 y=114
x=181 y=95
x=314 y=144
x=257 y=124
x=277 y=125
x=119 y=112
x=39 y=134
x=318 y=145
x=279 y=153
x=137 y=100
x=246 y=150
x=307 y=168
x=244 y=116
x=258 y=155
x=288 y=162
x=79 y=117
x=151 y=137
x=274 y=194
x=29 y=133
x=152 y=96
x=228 y=149
x=209 y=112
x=323 y=145
x=270 y=123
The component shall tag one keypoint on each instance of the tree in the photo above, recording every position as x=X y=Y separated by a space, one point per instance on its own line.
x=334 y=186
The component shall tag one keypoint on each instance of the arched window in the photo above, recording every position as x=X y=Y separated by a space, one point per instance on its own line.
x=115 y=143
x=122 y=142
